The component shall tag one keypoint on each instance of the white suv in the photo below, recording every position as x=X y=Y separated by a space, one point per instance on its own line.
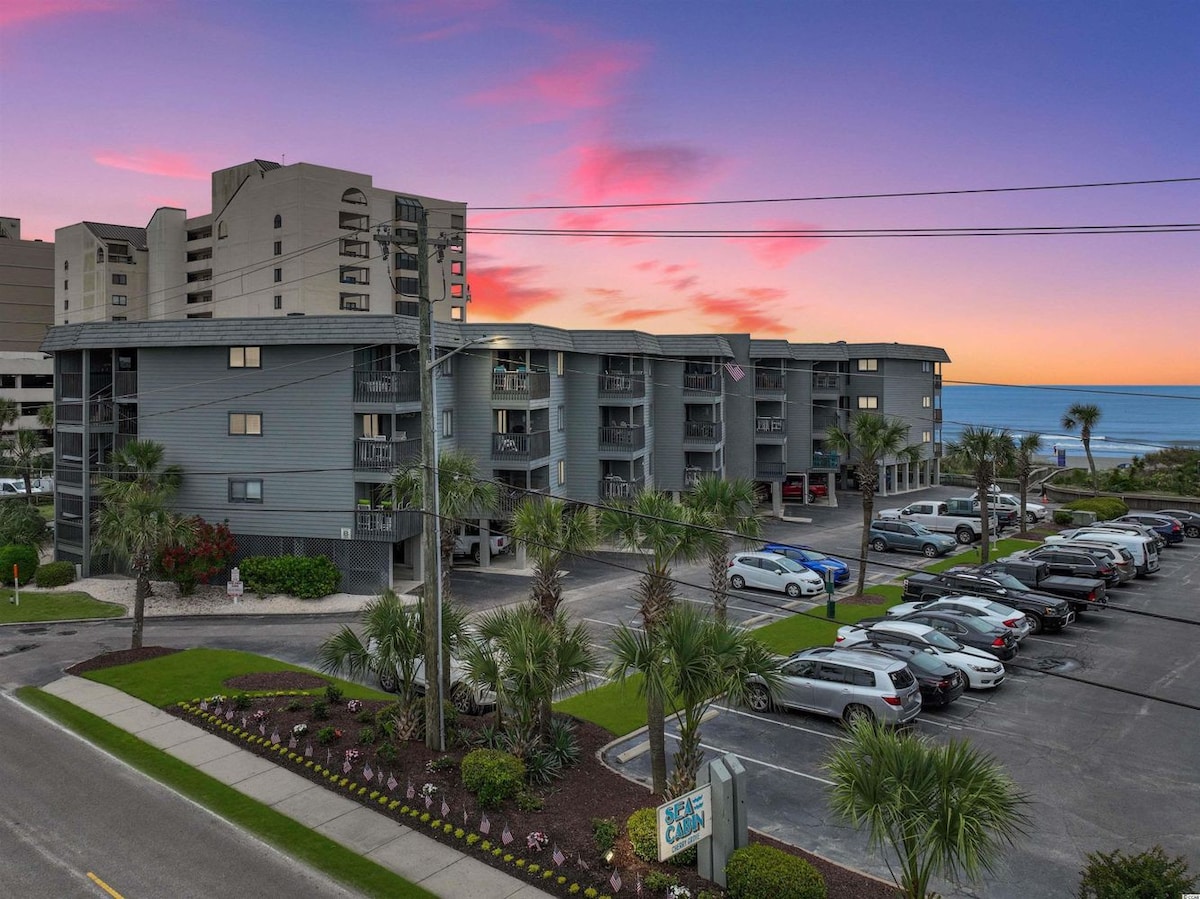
x=769 y=571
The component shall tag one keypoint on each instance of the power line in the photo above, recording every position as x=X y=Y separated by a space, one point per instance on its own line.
x=827 y=234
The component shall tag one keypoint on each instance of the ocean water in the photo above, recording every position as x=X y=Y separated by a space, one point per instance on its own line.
x=1134 y=420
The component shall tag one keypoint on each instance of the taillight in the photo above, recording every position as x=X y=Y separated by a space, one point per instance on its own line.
x=893 y=700
x=943 y=683
x=1012 y=622
x=731 y=563
x=839 y=639
x=1092 y=596
x=999 y=641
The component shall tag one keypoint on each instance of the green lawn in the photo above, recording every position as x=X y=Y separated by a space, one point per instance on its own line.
x=615 y=707
x=999 y=550
x=54 y=607
x=290 y=837
x=196 y=673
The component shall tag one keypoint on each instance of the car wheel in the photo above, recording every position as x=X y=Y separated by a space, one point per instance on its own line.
x=964 y=535
x=737 y=582
x=792 y=590
x=1036 y=621
x=476 y=554
x=759 y=699
x=855 y=713
x=1031 y=518
x=1192 y=531
x=463 y=700
x=879 y=544
x=930 y=550
x=388 y=682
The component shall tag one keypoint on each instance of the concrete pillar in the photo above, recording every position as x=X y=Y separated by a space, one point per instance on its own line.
x=485 y=543
x=412 y=551
x=522 y=555
x=777 y=499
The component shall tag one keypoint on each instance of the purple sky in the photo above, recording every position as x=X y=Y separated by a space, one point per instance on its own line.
x=109 y=109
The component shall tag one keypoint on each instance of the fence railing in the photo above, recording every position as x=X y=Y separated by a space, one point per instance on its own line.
x=387 y=387
x=702 y=431
x=614 y=487
x=769 y=381
x=515 y=385
x=627 y=438
x=520 y=447
x=705 y=382
x=632 y=384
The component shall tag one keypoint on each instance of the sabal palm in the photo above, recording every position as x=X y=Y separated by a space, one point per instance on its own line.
x=23 y=453
x=694 y=660
x=9 y=410
x=550 y=532
x=140 y=463
x=1084 y=416
x=944 y=810
x=983 y=451
x=725 y=506
x=1027 y=449
x=661 y=531
x=867 y=440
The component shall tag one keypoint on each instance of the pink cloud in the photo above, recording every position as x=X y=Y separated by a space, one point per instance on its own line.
x=584 y=80
x=756 y=310
x=656 y=173
x=507 y=292
x=778 y=251
x=18 y=12
x=609 y=313
x=155 y=162
x=648 y=266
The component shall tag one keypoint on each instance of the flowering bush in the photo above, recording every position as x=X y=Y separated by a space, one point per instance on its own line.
x=678 y=891
x=354 y=705
x=300 y=729
x=537 y=841
x=208 y=556
x=352 y=756
x=429 y=790
x=260 y=714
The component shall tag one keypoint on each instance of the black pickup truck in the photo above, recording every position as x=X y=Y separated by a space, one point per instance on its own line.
x=1035 y=575
x=1045 y=611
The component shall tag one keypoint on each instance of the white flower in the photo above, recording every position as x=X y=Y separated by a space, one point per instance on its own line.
x=679 y=892
x=428 y=790
x=300 y=729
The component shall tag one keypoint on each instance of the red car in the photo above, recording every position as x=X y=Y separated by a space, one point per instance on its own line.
x=795 y=490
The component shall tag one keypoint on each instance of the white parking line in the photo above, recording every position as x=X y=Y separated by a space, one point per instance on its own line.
x=1054 y=642
x=742 y=758
x=745 y=714
x=608 y=623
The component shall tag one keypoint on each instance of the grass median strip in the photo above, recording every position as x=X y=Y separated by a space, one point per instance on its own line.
x=272 y=827
x=54 y=607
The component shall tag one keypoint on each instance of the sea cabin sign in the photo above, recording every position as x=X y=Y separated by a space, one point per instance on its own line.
x=684 y=822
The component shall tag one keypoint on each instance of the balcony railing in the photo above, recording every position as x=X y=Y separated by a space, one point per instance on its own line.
x=770 y=381
x=623 y=438
x=385 y=524
x=520 y=385
x=937 y=382
x=69 y=413
x=507 y=502
x=705 y=382
x=69 y=477
x=827 y=381
x=520 y=447
x=384 y=453
x=613 y=487
x=826 y=460
x=125 y=384
x=614 y=384
x=769 y=425
x=70 y=385
x=770 y=471
x=702 y=431
x=100 y=412
x=692 y=476
x=389 y=387
x=937 y=416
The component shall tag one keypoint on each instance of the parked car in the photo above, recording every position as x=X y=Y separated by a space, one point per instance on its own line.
x=994 y=613
x=973 y=632
x=910 y=537
x=1189 y=520
x=467 y=542
x=1143 y=549
x=468 y=698
x=1034 y=512
x=1044 y=611
x=816 y=562
x=768 y=571
x=982 y=670
x=1074 y=561
x=1135 y=528
x=12 y=486
x=938 y=517
x=853 y=686
x=940 y=683
x=1169 y=527
x=794 y=489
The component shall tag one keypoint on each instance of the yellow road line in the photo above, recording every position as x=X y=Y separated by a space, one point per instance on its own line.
x=104 y=886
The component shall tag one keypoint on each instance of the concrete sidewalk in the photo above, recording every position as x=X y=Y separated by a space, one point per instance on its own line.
x=415 y=857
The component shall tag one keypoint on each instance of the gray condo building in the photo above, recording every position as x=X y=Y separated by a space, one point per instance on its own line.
x=291 y=427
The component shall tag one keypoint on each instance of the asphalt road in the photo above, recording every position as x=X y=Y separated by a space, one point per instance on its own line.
x=72 y=818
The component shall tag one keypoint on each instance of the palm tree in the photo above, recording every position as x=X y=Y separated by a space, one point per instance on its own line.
x=1027 y=449
x=868 y=440
x=391 y=647
x=662 y=532
x=942 y=809
x=695 y=660
x=139 y=464
x=22 y=453
x=9 y=411
x=726 y=506
x=551 y=530
x=983 y=450
x=1084 y=416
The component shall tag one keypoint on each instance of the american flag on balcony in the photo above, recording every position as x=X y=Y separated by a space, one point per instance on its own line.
x=735 y=371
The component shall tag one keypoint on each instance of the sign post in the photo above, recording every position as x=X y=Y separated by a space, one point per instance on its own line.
x=830 y=600
x=235 y=587
x=16 y=597
x=685 y=821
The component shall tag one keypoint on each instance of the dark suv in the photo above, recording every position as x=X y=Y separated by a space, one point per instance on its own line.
x=974 y=632
x=940 y=683
x=1076 y=563
x=1167 y=527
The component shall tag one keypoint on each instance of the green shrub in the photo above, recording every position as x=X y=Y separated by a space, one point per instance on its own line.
x=386 y=752
x=642 y=829
x=241 y=701
x=492 y=775
x=366 y=735
x=320 y=709
x=22 y=523
x=1105 y=507
x=764 y=872
x=1062 y=516
x=659 y=881
x=604 y=831
x=326 y=735
x=529 y=801
x=306 y=577
x=333 y=694
x=1147 y=875
x=23 y=556
x=54 y=574
x=295 y=705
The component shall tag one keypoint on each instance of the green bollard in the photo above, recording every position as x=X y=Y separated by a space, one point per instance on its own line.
x=830 y=601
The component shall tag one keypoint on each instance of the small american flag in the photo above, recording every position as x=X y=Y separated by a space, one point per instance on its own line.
x=411 y=791
x=274 y=738
x=346 y=767
x=308 y=750
x=464 y=816
x=637 y=885
x=367 y=772
x=558 y=856
x=506 y=837
x=244 y=722
x=428 y=802
x=485 y=826
x=262 y=730
x=229 y=715
x=204 y=705
x=445 y=809
x=615 y=881
x=218 y=710
x=392 y=783
x=582 y=864
x=328 y=757
x=379 y=776
x=735 y=371
x=293 y=743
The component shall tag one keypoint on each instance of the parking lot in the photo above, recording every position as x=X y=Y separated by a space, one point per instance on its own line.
x=1098 y=723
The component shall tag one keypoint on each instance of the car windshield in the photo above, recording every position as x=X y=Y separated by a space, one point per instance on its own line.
x=941 y=641
x=790 y=564
x=922 y=530
x=1004 y=579
x=812 y=555
x=926 y=664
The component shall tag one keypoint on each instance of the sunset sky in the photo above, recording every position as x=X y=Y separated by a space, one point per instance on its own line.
x=109 y=109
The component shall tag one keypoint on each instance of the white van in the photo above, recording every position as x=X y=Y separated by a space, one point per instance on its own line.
x=12 y=486
x=1143 y=549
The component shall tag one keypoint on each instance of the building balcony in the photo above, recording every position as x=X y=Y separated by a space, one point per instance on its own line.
x=520 y=447
x=937 y=416
x=507 y=502
x=693 y=475
x=384 y=453
x=623 y=439
x=100 y=412
x=358 y=249
x=702 y=432
x=826 y=382
x=767 y=425
x=520 y=385
x=621 y=384
x=614 y=487
x=709 y=382
x=770 y=471
x=937 y=382
x=125 y=385
x=384 y=524
x=69 y=414
x=389 y=387
x=65 y=476
x=826 y=461
x=69 y=385
x=769 y=382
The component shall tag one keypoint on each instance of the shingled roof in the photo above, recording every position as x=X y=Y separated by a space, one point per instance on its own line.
x=135 y=237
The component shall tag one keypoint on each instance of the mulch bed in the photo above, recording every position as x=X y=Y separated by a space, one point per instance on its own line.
x=588 y=791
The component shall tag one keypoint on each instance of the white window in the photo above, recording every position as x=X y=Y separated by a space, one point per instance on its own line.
x=120 y=299
x=927 y=436
x=562 y=364
x=562 y=472
x=868 y=365
x=245 y=424
x=245 y=490
x=562 y=418
x=927 y=366
x=868 y=402
x=448 y=423
x=926 y=402
x=245 y=357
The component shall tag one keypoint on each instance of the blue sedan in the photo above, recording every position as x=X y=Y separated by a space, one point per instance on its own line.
x=812 y=560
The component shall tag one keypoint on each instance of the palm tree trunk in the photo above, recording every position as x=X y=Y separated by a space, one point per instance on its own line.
x=1087 y=449
x=140 y=593
x=719 y=583
x=656 y=731
x=985 y=540
x=868 y=503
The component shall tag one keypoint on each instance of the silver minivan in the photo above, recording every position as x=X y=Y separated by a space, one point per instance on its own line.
x=1143 y=549
x=842 y=683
